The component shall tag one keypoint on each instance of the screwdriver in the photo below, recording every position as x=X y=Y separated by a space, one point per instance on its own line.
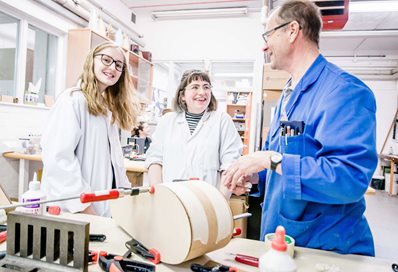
x=92 y=197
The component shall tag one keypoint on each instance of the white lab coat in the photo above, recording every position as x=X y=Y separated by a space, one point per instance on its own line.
x=79 y=150
x=213 y=146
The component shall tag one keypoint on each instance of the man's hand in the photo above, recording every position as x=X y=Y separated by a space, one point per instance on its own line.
x=241 y=171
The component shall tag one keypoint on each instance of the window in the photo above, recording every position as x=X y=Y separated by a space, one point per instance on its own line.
x=41 y=61
x=28 y=57
x=9 y=27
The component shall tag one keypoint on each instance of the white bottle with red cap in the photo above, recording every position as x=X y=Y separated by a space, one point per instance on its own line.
x=276 y=258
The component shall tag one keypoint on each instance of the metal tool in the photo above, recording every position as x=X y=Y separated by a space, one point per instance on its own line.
x=92 y=197
x=116 y=263
x=246 y=259
x=136 y=247
x=241 y=215
x=218 y=268
x=97 y=237
x=42 y=243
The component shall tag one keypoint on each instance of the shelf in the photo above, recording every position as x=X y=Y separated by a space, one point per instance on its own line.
x=236 y=105
x=239 y=119
x=241 y=124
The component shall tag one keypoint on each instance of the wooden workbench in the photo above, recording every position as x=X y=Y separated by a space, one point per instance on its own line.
x=306 y=258
x=393 y=159
x=135 y=169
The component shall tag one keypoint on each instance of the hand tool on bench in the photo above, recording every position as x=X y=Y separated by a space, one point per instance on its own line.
x=136 y=247
x=218 y=268
x=245 y=259
x=116 y=263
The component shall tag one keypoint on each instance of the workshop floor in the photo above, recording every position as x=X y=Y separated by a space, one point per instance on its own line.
x=382 y=215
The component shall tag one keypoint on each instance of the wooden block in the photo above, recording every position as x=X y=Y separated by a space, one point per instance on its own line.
x=238 y=205
x=135 y=178
x=6 y=98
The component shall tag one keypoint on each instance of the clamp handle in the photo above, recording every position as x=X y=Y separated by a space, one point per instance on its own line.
x=99 y=196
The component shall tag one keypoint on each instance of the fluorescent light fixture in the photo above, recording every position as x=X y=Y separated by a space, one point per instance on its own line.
x=233 y=74
x=373 y=6
x=199 y=13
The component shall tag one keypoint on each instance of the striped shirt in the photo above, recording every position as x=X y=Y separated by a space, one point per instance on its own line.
x=193 y=120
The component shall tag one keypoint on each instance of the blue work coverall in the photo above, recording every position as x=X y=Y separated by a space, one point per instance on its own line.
x=319 y=198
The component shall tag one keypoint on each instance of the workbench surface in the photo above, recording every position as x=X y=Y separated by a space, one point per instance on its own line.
x=306 y=258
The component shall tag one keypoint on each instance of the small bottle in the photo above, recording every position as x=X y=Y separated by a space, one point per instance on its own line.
x=33 y=194
x=276 y=258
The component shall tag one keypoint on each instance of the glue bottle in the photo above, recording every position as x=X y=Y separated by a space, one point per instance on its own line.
x=276 y=258
x=33 y=194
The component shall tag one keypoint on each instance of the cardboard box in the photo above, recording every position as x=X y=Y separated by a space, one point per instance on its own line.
x=271 y=95
x=238 y=205
x=274 y=79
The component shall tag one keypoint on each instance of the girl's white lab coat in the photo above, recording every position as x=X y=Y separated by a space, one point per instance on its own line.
x=213 y=146
x=79 y=150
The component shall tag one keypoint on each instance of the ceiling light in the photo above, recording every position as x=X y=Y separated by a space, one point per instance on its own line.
x=373 y=6
x=199 y=13
x=233 y=74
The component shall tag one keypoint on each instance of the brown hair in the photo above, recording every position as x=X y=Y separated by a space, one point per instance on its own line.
x=307 y=15
x=178 y=104
x=120 y=98
x=136 y=130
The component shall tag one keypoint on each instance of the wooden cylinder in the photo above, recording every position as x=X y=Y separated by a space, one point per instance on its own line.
x=182 y=220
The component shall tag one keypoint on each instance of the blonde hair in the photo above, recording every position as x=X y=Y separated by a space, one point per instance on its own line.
x=120 y=99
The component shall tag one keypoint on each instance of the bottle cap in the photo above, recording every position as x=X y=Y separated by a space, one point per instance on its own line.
x=279 y=242
x=34 y=185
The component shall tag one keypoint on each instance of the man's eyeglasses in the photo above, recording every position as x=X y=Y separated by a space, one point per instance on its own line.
x=269 y=32
x=108 y=60
x=195 y=87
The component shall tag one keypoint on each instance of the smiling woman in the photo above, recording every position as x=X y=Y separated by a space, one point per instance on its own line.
x=195 y=140
x=87 y=156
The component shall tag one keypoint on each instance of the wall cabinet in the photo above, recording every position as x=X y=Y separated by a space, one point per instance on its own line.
x=239 y=108
x=80 y=41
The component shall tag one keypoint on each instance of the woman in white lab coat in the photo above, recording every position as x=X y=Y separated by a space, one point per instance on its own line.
x=194 y=140
x=81 y=146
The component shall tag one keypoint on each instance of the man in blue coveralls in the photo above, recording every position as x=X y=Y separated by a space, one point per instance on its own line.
x=320 y=151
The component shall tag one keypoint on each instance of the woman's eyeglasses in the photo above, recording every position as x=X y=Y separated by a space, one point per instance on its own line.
x=108 y=60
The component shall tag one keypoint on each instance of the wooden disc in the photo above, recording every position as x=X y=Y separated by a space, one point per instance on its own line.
x=181 y=220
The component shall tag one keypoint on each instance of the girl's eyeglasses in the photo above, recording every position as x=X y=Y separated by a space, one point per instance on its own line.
x=108 y=60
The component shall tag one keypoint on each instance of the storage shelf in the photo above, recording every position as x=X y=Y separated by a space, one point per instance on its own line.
x=240 y=123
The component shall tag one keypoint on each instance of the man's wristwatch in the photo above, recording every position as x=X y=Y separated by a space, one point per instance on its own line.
x=276 y=159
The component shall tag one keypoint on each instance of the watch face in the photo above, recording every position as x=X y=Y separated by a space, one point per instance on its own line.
x=276 y=158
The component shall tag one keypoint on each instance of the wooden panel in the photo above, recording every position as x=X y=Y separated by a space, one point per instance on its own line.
x=78 y=47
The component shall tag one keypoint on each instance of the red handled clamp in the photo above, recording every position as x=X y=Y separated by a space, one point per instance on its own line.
x=136 y=247
x=92 y=256
x=116 y=263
